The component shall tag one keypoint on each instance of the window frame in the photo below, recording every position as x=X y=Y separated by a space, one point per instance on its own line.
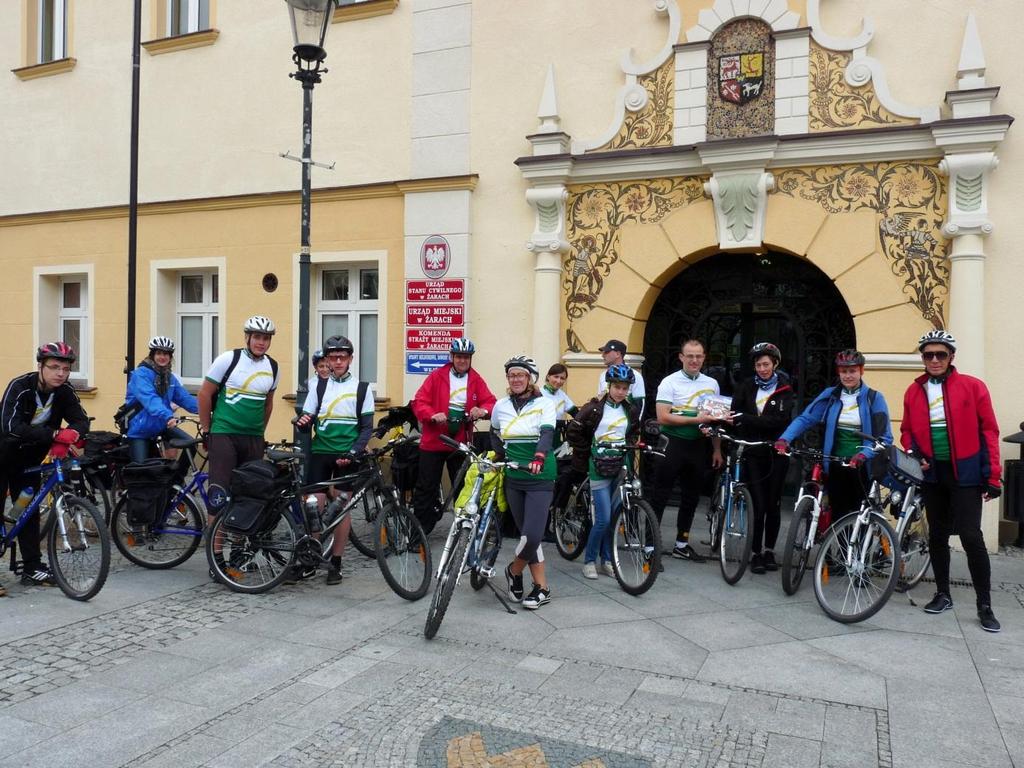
x=49 y=314
x=208 y=310
x=59 y=43
x=354 y=307
x=194 y=17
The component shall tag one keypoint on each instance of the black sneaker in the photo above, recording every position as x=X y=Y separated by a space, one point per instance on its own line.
x=515 y=585
x=988 y=620
x=40 y=576
x=757 y=563
x=333 y=576
x=941 y=602
x=538 y=596
x=768 y=557
x=686 y=552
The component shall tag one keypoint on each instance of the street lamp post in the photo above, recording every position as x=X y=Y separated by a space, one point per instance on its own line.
x=310 y=21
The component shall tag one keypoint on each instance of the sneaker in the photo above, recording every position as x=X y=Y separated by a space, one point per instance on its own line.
x=589 y=570
x=538 y=596
x=768 y=557
x=988 y=620
x=333 y=576
x=941 y=602
x=757 y=563
x=515 y=585
x=38 y=577
x=607 y=569
x=686 y=552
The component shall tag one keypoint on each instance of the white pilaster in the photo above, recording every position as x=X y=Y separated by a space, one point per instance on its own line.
x=691 y=113
x=792 y=68
x=548 y=243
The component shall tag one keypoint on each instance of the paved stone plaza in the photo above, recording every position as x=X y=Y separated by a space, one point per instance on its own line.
x=167 y=669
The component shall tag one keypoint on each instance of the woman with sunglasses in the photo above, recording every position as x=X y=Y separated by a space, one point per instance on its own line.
x=844 y=410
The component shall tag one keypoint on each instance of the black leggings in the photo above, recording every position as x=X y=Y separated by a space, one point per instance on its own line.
x=954 y=509
x=844 y=488
x=426 y=498
x=765 y=473
x=686 y=462
x=529 y=500
x=13 y=480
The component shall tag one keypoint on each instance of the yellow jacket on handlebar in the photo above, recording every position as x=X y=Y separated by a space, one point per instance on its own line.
x=494 y=482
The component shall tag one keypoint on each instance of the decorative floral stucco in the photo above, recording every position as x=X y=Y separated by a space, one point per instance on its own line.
x=596 y=212
x=757 y=117
x=652 y=125
x=910 y=200
x=835 y=104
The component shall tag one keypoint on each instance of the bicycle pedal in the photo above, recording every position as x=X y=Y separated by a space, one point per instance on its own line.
x=487 y=573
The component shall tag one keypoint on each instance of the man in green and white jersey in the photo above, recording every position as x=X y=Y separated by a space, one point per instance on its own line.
x=687 y=456
x=614 y=353
x=235 y=403
x=342 y=410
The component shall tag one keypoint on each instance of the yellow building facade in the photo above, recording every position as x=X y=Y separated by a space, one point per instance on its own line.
x=817 y=173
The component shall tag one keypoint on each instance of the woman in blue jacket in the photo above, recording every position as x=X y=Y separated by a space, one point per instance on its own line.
x=844 y=410
x=156 y=390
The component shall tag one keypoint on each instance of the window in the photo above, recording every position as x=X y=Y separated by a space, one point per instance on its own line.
x=187 y=16
x=52 y=24
x=73 y=313
x=63 y=312
x=347 y=305
x=197 y=320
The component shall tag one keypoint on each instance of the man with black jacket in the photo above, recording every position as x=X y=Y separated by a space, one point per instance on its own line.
x=31 y=413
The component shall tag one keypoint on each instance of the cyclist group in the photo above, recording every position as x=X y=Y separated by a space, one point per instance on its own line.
x=948 y=424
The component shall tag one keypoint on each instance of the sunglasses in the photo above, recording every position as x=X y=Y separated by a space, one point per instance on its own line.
x=939 y=355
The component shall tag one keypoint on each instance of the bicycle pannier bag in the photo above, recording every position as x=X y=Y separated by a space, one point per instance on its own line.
x=148 y=487
x=253 y=486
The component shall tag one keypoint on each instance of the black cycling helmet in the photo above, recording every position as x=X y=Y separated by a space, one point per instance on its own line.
x=338 y=344
x=766 y=348
x=848 y=358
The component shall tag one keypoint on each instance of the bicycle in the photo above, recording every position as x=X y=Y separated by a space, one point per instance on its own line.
x=77 y=542
x=731 y=513
x=636 y=534
x=474 y=539
x=290 y=532
x=572 y=522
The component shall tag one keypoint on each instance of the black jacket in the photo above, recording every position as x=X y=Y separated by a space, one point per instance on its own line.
x=775 y=417
x=580 y=431
x=18 y=407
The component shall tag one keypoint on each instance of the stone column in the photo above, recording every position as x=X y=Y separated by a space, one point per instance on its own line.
x=548 y=243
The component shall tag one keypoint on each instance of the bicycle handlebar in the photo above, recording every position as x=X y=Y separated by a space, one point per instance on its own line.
x=718 y=432
x=478 y=458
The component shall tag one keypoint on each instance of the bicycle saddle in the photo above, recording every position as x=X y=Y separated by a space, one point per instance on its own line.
x=276 y=455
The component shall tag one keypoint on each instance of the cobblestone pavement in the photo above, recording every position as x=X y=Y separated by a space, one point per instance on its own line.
x=165 y=668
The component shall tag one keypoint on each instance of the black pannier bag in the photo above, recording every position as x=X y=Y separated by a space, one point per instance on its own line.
x=148 y=487
x=253 y=487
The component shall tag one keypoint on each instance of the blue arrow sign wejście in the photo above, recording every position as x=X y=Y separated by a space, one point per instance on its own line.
x=424 y=362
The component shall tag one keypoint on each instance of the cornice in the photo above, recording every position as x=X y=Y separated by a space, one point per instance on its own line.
x=181 y=42
x=33 y=71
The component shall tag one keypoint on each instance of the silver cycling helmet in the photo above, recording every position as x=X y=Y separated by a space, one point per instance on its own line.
x=938 y=336
x=260 y=324
x=161 y=344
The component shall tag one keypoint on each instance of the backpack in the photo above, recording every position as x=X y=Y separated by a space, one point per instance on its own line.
x=236 y=355
x=124 y=414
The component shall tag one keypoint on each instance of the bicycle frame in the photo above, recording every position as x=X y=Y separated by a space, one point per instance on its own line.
x=813 y=489
x=55 y=478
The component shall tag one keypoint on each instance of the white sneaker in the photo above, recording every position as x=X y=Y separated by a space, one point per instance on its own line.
x=607 y=569
x=589 y=571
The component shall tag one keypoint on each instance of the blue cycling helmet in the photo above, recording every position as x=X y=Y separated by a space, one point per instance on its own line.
x=462 y=346
x=619 y=373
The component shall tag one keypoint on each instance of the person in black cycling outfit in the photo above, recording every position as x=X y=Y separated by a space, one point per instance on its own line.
x=33 y=408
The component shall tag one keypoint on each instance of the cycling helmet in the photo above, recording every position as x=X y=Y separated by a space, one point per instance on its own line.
x=260 y=324
x=57 y=350
x=161 y=344
x=766 y=348
x=937 y=336
x=462 y=346
x=523 y=363
x=338 y=344
x=318 y=355
x=619 y=373
x=848 y=358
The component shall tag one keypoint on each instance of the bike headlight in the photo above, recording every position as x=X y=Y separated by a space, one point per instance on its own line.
x=470 y=509
x=896 y=498
x=636 y=484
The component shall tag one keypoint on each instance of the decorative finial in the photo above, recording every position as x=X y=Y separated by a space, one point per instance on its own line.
x=971 y=70
x=547 y=112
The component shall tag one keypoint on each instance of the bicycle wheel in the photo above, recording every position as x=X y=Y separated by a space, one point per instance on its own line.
x=736 y=536
x=364 y=525
x=490 y=544
x=165 y=544
x=716 y=512
x=80 y=555
x=257 y=562
x=855 y=573
x=402 y=552
x=636 y=546
x=445 y=587
x=448 y=502
x=797 y=553
x=93 y=489
x=914 y=554
x=572 y=524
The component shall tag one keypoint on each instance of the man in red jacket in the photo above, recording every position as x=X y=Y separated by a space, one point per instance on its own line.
x=447 y=403
x=948 y=422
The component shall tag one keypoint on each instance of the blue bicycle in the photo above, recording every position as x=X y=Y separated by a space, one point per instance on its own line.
x=77 y=542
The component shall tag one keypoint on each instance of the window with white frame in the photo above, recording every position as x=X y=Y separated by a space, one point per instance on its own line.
x=51 y=18
x=63 y=313
x=347 y=305
x=187 y=16
x=73 y=317
x=197 y=320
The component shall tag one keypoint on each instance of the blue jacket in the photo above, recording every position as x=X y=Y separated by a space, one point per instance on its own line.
x=825 y=410
x=156 y=410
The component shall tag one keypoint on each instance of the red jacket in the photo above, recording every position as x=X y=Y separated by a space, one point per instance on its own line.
x=432 y=397
x=970 y=420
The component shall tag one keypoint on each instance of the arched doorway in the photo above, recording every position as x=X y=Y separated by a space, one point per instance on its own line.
x=732 y=301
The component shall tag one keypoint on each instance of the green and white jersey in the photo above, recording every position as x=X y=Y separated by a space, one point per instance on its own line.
x=610 y=435
x=241 y=402
x=683 y=394
x=637 y=391
x=937 y=421
x=337 y=422
x=520 y=432
x=847 y=443
x=563 y=403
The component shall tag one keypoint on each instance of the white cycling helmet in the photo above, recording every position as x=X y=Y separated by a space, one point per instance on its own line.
x=161 y=344
x=938 y=336
x=523 y=363
x=260 y=324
